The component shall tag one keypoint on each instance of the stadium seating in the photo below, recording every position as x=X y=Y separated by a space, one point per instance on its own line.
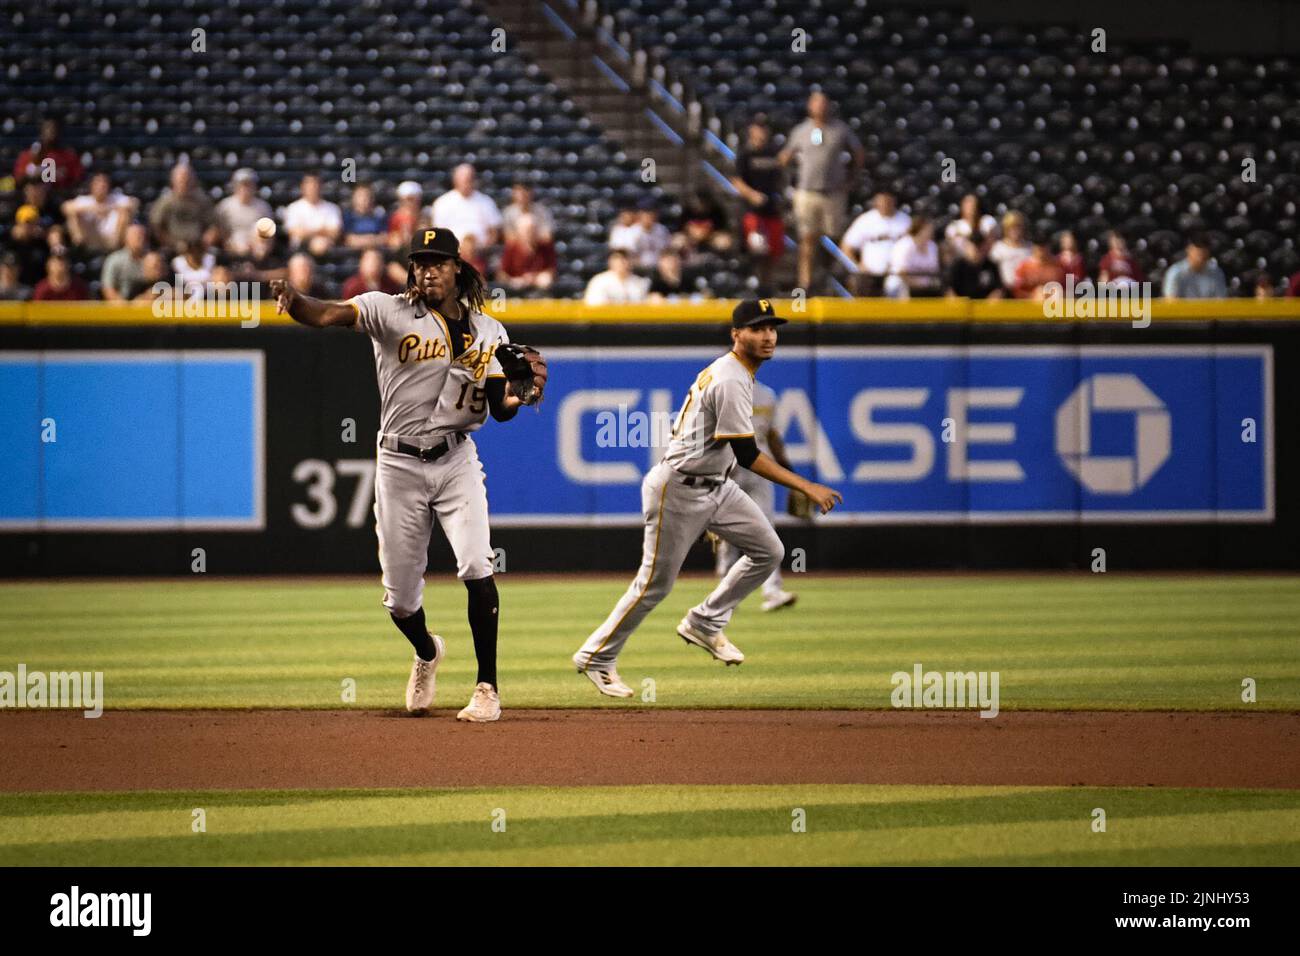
x=407 y=89
x=1148 y=138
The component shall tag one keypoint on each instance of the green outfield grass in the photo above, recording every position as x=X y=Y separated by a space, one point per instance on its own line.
x=845 y=825
x=1083 y=641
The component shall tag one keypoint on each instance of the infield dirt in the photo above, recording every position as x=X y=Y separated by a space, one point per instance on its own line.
x=228 y=749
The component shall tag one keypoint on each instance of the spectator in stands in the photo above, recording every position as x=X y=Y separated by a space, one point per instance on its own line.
x=1070 y=259
x=263 y=262
x=1293 y=286
x=470 y=252
x=760 y=181
x=312 y=221
x=221 y=287
x=914 y=263
x=301 y=274
x=668 y=282
x=153 y=269
x=973 y=275
x=1195 y=276
x=97 y=221
x=705 y=223
x=651 y=238
x=521 y=204
x=56 y=240
x=11 y=288
x=67 y=165
x=363 y=222
x=27 y=242
x=183 y=213
x=403 y=220
x=59 y=284
x=870 y=241
x=618 y=284
x=820 y=146
x=37 y=195
x=1011 y=250
x=371 y=276
x=466 y=211
x=1037 y=271
x=1117 y=265
x=972 y=221
x=221 y=279
x=528 y=261
x=125 y=267
x=238 y=213
x=625 y=230
x=1264 y=286
x=193 y=266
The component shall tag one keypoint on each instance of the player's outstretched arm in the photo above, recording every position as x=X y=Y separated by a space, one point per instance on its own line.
x=314 y=312
x=750 y=457
x=823 y=497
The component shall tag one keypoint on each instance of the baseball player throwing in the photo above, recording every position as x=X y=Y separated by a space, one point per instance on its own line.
x=691 y=491
x=442 y=365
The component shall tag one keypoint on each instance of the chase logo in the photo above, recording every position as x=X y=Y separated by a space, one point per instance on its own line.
x=1152 y=431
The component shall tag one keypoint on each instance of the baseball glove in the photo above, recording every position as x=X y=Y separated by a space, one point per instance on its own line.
x=525 y=371
x=798 y=504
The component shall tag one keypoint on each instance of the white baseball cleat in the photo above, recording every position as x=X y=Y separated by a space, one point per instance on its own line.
x=423 y=683
x=779 y=600
x=484 y=707
x=716 y=644
x=605 y=677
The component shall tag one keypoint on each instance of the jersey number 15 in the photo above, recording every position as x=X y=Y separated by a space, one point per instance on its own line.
x=477 y=398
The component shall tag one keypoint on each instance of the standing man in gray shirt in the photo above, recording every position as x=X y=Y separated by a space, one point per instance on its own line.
x=828 y=155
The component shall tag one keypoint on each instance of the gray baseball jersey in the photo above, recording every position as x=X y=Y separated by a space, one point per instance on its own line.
x=427 y=383
x=718 y=406
x=431 y=390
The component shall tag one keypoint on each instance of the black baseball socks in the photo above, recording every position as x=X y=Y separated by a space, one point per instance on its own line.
x=483 y=623
x=416 y=632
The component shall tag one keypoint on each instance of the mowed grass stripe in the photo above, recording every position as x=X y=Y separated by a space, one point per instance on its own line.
x=1079 y=642
x=651 y=825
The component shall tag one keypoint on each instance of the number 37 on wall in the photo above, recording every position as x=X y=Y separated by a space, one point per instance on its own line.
x=322 y=505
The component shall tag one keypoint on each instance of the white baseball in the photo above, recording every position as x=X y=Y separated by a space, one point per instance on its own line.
x=265 y=227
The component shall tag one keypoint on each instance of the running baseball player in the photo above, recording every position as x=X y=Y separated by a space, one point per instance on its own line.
x=691 y=491
x=442 y=366
x=763 y=492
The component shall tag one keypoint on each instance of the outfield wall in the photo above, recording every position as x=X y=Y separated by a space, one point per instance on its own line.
x=963 y=435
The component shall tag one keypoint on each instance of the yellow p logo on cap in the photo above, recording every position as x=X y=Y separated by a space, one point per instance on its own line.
x=428 y=235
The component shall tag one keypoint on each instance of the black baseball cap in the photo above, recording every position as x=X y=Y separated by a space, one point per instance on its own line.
x=753 y=312
x=439 y=243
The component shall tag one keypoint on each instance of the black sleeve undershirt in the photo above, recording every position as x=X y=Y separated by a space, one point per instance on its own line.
x=746 y=450
x=496 y=396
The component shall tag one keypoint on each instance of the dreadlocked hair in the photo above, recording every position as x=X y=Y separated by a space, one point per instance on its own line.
x=470 y=286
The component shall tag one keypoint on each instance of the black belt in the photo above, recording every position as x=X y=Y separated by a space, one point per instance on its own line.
x=432 y=453
x=693 y=480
